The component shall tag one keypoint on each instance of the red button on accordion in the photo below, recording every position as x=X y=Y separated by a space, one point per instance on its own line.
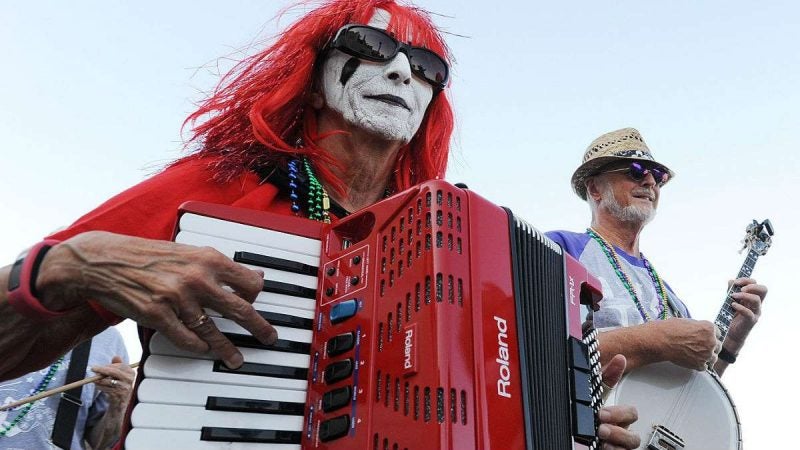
x=431 y=320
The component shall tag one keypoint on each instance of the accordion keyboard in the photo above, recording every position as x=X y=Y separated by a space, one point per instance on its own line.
x=189 y=400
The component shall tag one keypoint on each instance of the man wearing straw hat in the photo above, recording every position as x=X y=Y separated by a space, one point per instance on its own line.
x=642 y=317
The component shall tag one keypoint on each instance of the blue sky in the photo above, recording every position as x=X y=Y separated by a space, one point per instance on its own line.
x=94 y=94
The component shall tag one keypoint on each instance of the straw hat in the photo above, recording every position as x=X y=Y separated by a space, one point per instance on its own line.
x=620 y=145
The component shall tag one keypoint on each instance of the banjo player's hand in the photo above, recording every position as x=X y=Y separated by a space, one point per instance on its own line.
x=614 y=420
x=689 y=343
x=161 y=285
x=747 y=304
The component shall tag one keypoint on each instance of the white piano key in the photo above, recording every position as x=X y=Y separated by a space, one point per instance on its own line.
x=160 y=345
x=153 y=390
x=202 y=370
x=271 y=298
x=285 y=333
x=229 y=249
x=149 y=439
x=246 y=233
x=269 y=307
x=180 y=417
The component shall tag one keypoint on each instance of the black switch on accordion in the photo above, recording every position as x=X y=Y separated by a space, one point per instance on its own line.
x=585 y=384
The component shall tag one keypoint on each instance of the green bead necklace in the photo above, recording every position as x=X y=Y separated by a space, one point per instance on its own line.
x=658 y=284
x=48 y=377
x=318 y=201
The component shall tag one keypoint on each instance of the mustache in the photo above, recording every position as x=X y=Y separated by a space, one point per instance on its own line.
x=644 y=191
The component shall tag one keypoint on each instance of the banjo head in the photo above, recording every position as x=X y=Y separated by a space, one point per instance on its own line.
x=694 y=406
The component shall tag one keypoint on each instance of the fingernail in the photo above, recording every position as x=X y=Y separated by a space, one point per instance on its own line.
x=604 y=415
x=603 y=431
x=235 y=361
x=273 y=337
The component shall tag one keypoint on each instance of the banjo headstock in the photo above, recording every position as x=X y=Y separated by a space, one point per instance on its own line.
x=758 y=237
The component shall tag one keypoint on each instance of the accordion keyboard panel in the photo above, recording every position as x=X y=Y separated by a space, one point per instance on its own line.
x=189 y=400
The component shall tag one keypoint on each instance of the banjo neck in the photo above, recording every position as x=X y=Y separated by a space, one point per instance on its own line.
x=726 y=313
x=757 y=240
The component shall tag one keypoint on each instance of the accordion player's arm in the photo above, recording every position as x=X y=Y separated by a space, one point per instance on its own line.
x=161 y=285
x=27 y=345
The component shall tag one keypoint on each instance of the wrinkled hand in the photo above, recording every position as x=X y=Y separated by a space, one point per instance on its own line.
x=161 y=285
x=117 y=383
x=689 y=343
x=614 y=420
x=747 y=303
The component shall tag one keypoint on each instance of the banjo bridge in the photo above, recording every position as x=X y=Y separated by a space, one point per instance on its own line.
x=664 y=439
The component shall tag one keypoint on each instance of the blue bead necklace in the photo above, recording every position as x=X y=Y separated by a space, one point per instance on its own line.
x=318 y=201
x=658 y=284
x=48 y=377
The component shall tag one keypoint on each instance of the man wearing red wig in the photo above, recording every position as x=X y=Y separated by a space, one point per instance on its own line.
x=331 y=118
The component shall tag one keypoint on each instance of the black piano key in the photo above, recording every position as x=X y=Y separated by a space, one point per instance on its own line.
x=285 y=320
x=264 y=370
x=294 y=290
x=250 y=435
x=281 y=345
x=271 y=262
x=255 y=406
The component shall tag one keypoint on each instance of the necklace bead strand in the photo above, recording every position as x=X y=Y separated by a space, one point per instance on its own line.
x=658 y=284
x=48 y=377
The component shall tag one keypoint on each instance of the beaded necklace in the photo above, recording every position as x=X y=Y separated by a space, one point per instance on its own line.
x=48 y=377
x=658 y=284
x=319 y=203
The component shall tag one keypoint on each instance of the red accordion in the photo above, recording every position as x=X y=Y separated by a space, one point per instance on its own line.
x=431 y=320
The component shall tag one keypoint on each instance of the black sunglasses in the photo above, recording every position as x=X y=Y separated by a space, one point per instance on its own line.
x=374 y=44
x=637 y=172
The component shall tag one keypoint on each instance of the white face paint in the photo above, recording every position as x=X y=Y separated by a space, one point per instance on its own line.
x=382 y=98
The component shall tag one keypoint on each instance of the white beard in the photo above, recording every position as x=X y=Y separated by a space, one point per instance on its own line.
x=628 y=214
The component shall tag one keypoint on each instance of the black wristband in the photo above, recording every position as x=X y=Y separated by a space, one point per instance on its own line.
x=727 y=356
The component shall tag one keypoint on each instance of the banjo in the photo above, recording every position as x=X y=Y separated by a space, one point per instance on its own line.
x=684 y=409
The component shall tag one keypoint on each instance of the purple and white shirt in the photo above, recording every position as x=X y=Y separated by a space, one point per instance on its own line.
x=617 y=308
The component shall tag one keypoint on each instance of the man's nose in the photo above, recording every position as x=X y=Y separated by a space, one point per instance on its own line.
x=399 y=69
x=649 y=179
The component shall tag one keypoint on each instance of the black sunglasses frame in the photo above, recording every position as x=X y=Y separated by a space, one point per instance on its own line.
x=340 y=43
x=636 y=171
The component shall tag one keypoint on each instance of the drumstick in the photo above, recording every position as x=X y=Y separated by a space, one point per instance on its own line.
x=57 y=390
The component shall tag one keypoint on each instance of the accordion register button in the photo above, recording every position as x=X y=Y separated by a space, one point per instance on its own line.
x=341 y=343
x=581 y=389
x=344 y=310
x=334 y=428
x=356 y=259
x=580 y=353
x=338 y=371
x=337 y=398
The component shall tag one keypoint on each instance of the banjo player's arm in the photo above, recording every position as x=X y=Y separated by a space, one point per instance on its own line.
x=686 y=342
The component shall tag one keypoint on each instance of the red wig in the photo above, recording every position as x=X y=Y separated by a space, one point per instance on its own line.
x=260 y=109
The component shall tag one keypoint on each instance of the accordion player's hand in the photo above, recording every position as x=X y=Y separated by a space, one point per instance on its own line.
x=614 y=420
x=162 y=285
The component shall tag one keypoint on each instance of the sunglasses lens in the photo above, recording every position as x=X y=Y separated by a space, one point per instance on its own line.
x=660 y=175
x=428 y=65
x=637 y=172
x=369 y=43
